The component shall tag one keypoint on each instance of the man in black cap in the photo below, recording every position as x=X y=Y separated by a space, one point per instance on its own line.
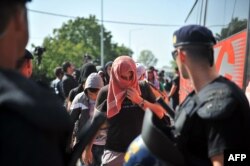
x=24 y=64
x=215 y=116
x=34 y=127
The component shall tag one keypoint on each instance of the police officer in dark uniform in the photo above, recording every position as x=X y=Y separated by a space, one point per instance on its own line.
x=215 y=116
x=34 y=127
x=212 y=121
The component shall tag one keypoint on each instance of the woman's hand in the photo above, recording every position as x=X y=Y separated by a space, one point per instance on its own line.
x=134 y=96
x=87 y=156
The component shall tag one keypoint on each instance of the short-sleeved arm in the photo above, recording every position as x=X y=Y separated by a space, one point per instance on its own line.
x=222 y=113
x=224 y=127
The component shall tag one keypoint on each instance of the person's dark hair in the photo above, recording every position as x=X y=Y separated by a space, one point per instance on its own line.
x=87 y=58
x=161 y=74
x=58 y=71
x=92 y=90
x=200 y=53
x=106 y=76
x=151 y=68
x=109 y=63
x=76 y=74
x=65 y=66
x=85 y=71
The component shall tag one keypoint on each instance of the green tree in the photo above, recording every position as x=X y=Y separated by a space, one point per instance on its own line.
x=147 y=58
x=173 y=64
x=72 y=41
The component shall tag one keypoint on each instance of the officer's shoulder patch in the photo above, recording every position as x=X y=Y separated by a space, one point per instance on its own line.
x=216 y=101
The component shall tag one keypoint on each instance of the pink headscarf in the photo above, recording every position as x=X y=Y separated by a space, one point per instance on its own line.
x=118 y=86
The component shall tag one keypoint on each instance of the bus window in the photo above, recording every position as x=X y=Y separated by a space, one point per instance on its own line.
x=195 y=15
x=226 y=18
x=228 y=21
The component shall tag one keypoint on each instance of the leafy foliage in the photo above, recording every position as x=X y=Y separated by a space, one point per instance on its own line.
x=72 y=41
x=147 y=58
x=173 y=64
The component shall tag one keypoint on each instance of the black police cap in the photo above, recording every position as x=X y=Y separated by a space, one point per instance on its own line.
x=28 y=55
x=193 y=35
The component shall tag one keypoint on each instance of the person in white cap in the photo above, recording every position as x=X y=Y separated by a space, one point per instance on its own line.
x=141 y=76
x=141 y=71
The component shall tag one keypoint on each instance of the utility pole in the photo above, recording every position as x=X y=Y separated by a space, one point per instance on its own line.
x=102 y=45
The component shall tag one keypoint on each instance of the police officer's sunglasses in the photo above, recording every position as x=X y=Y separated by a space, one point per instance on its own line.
x=174 y=54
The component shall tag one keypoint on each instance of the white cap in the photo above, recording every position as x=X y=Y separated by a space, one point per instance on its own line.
x=140 y=69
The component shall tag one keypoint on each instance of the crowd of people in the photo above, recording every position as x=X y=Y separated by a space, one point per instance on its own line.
x=41 y=128
x=66 y=85
x=79 y=99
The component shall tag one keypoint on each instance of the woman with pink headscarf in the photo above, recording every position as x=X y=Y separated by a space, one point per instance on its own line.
x=124 y=103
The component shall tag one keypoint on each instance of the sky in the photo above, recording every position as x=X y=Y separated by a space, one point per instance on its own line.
x=158 y=39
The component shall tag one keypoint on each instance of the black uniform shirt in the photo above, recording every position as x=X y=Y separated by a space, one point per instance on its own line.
x=68 y=83
x=34 y=126
x=217 y=119
x=126 y=125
